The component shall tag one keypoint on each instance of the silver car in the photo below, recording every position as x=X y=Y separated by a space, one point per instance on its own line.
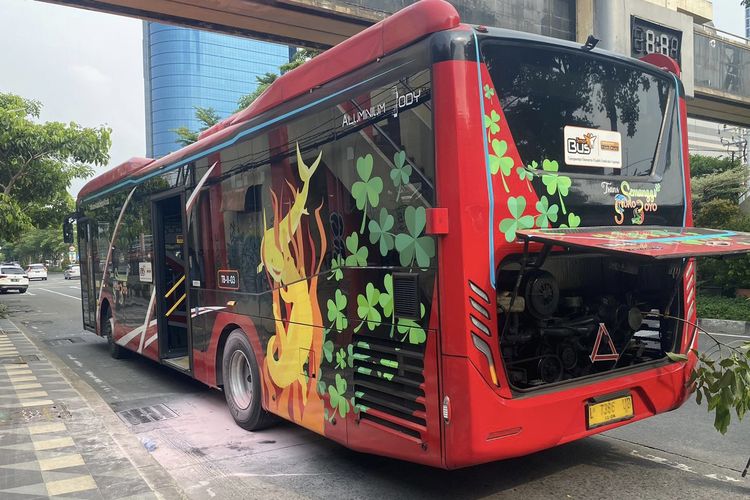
x=73 y=271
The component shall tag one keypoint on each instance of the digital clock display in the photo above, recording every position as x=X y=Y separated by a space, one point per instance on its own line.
x=651 y=38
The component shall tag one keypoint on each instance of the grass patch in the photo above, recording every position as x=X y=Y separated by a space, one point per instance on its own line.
x=718 y=307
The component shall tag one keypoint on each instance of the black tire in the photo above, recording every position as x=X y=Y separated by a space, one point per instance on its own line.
x=241 y=375
x=21 y=290
x=3 y=291
x=116 y=351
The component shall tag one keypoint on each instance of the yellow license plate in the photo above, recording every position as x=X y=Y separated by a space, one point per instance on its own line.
x=609 y=411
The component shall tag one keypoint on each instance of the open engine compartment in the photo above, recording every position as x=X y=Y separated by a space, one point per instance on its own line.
x=557 y=321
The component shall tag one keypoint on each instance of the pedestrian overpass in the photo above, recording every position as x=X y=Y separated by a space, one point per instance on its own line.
x=722 y=61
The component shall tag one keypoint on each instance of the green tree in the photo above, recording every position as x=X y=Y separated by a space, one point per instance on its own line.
x=36 y=245
x=38 y=160
x=701 y=165
x=208 y=118
x=723 y=185
x=263 y=82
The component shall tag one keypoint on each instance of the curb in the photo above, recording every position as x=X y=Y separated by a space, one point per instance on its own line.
x=158 y=479
x=725 y=326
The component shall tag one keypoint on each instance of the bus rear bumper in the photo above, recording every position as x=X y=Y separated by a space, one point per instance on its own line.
x=484 y=426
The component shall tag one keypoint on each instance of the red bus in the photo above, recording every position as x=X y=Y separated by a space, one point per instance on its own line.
x=444 y=243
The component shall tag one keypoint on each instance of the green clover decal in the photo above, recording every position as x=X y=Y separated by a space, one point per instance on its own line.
x=525 y=174
x=573 y=221
x=386 y=297
x=366 y=307
x=367 y=190
x=555 y=183
x=509 y=226
x=412 y=330
x=500 y=162
x=336 y=309
x=337 y=398
x=358 y=257
x=488 y=91
x=547 y=213
x=401 y=172
x=380 y=231
x=412 y=245
x=336 y=272
x=341 y=359
x=328 y=350
x=491 y=122
x=350 y=359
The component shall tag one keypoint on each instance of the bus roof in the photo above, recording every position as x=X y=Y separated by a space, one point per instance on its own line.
x=402 y=28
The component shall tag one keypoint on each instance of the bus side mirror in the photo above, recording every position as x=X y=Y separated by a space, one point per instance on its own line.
x=68 y=229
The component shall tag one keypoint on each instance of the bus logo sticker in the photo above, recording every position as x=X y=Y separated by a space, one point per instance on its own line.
x=229 y=279
x=590 y=147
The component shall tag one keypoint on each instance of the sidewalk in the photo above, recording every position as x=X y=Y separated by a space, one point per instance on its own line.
x=59 y=439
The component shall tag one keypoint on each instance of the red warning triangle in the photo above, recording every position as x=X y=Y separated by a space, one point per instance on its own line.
x=595 y=356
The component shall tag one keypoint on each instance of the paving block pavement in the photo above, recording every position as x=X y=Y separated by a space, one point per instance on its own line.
x=59 y=439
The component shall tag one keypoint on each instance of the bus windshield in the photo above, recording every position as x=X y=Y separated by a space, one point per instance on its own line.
x=556 y=101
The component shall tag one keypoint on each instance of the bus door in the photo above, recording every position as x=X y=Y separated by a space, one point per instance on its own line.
x=87 y=233
x=170 y=267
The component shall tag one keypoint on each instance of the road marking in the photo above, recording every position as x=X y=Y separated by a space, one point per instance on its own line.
x=63 y=294
x=731 y=335
x=683 y=467
x=29 y=293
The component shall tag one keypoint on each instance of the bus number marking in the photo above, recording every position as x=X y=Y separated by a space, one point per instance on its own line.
x=229 y=279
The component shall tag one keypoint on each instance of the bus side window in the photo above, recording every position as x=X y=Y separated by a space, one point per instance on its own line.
x=242 y=210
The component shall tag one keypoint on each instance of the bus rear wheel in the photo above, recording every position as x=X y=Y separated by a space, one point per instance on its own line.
x=242 y=388
x=116 y=351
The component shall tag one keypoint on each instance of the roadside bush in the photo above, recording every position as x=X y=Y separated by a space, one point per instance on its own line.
x=718 y=307
x=3 y=311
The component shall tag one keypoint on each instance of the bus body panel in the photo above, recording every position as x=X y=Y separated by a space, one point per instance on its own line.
x=498 y=428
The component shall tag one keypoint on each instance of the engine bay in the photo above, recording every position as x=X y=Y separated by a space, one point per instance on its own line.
x=572 y=315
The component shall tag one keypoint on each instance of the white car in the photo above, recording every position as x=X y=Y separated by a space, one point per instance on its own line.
x=13 y=278
x=72 y=271
x=37 y=272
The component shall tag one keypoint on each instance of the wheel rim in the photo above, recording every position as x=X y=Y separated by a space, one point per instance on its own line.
x=240 y=380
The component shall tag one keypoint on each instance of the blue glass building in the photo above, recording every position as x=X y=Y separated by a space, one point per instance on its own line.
x=185 y=68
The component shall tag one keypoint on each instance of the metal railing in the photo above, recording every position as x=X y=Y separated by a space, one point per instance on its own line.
x=722 y=62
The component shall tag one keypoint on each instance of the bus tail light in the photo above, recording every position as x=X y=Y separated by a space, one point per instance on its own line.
x=446 y=409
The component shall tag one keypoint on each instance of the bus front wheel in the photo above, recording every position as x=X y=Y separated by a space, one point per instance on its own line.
x=242 y=388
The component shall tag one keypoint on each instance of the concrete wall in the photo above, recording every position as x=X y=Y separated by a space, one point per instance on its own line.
x=612 y=27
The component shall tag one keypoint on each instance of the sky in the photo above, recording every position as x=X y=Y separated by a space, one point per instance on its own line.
x=87 y=67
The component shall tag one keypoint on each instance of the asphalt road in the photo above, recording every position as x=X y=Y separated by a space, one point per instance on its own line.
x=675 y=455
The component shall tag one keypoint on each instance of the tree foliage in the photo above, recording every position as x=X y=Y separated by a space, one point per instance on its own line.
x=208 y=118
x=263 y=82
x=38 y=160
x=701 y=165
x=722 y=375
x=36 y=245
